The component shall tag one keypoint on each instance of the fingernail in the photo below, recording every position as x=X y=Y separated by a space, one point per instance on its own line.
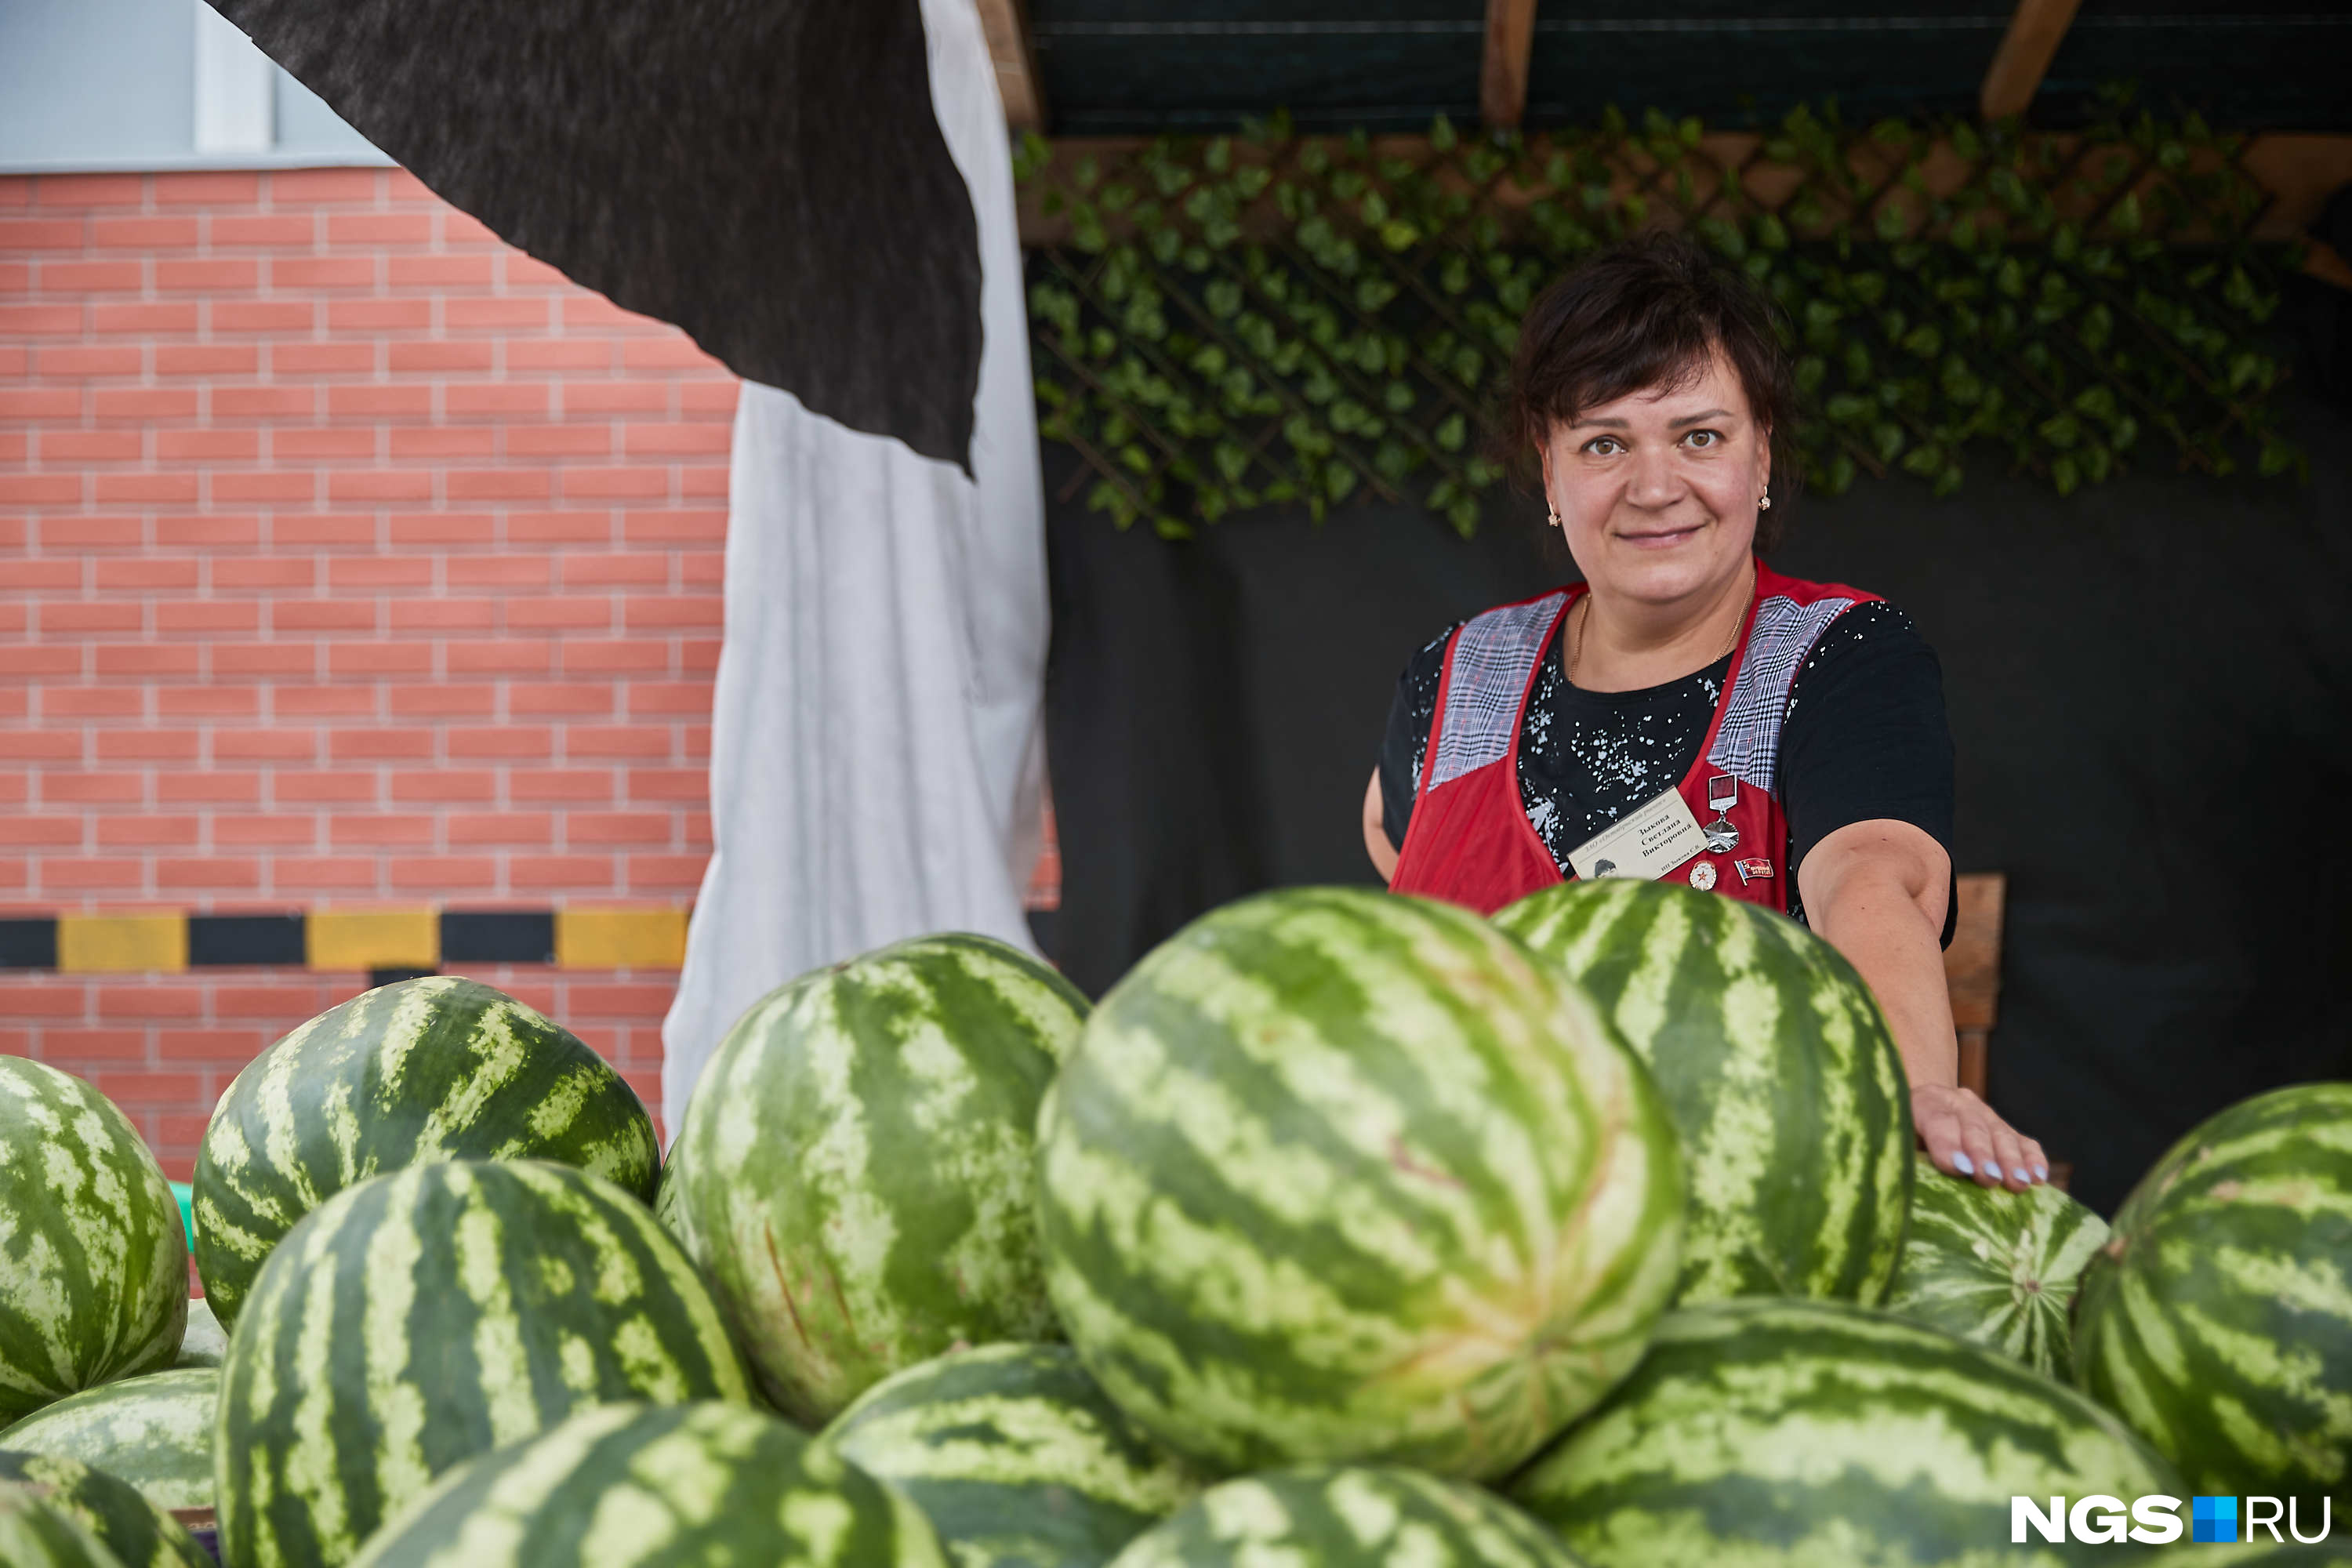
x=2040 y=1173
x=1964 y=1165
x=1992 y=1170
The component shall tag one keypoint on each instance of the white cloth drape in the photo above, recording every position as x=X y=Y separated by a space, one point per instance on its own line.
x=877 y=752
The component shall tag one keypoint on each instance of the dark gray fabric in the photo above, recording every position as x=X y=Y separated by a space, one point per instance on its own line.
x=768 y=175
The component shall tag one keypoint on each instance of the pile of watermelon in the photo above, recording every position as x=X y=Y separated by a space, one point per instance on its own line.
x=1348 y=1228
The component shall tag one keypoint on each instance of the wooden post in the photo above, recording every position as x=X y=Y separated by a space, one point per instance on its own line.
x=1503 y=79
x=1006 y=25
x=2024 y=58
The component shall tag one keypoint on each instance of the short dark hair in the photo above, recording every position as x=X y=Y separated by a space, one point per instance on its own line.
x=1646 y=313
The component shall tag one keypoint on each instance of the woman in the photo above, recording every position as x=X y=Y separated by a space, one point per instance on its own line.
x=1687 y=711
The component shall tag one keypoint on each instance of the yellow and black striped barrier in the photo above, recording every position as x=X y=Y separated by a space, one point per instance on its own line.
x=414 y=940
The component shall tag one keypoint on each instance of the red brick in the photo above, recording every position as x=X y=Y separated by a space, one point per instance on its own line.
x=449 y=874
x=296 y=702
x=444 y=701
x=265 y=831
x=216 y=787
x=615 y=397
x=323 y=359
x=558 y=441
x=78 y=362
x=323 y=788
x=379 y=830
x=147 y=320
x=313 y=443
x=297 y=486
x=577 y=787
x=322 y=616
x=207 y=359
x=314 y=530
x=94 y=701
x=504 y=572
x=144 y=404
x=569 y=873
x=68 y=617
x=146 y=829
x=210 y=528
x=444 y=441
x=439 y=357
x=581 y=741
x=503 y=742
x=461 y=229
x=368 y=230
x=519 y=656
x=74 y=1048
x=380 y=402
x=41 y=320
x=574 y=700
x=62 y=446
x=665 y=353
x=507 y=399
x=20 y=661
x=498 y=315
x=615 y=656
x=20 y=831
x=705 y=482
x=175 y=1088
x=671 y=440
x=324 y=873
x=524 y=829
x=142 y=233
x=669 y=699
x=559 y=528
x=291 y=187
x=288 y=1002
x=416 y=786
x=262 y=315
x=46 y=402
x=407 y=529
x=497 y=484
x=346 y=573
x=585 y=829
x=322 y=271
x=262 y=659
x=92 y=277
x=92 y=789
x=529 y=272
x=213 y=702
x=358 y=316
x=212 y=274
x=434 y=614
x=379 y=484
x=653 y=612
x=592 y=310
x=132 y=573
x=208 y=445
x=620 y=998
x=91 y=190
x=263 y=401
x=267 y=573
x=282 y=230
x=615 y=569
x=146 y=745
x=47 y=999
x=90 y=873
x=378 y=745
x=708 y=399
x=207 y=617
x=225 y=189
x=208 y=874
x=224 y=1047
x=577 y=613
x=42 y=233
x=688 y=784
x=561 y=355
x=441 y=271
x=144 y=490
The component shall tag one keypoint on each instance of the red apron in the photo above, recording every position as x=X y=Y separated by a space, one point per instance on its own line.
x=1470 y=841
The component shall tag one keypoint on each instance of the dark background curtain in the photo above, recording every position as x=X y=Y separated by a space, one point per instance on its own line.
x=2147 y=686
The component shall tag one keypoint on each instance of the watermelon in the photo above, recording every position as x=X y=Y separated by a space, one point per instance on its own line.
x=853 y=1170
x=154 y=1432
x=137 y=1531
x=37 y=1533
x=1776 y=1068
x=1794 y=1433
x=1015 y=1457
x=2218 y=1318
x=1334 y=1176
x=205 y=1343
x=436 y=1068
x=681 y=1485
x=1996 y=1266
x=1346 y=1517
x=93 y=1266
x=418 y=1318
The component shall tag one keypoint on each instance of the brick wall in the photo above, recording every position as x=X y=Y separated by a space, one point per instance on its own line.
x=347 y=557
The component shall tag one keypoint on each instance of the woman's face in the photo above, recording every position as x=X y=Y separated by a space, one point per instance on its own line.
x=1657 y=492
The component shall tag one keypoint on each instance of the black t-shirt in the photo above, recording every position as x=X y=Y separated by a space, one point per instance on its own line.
x=1865 y=738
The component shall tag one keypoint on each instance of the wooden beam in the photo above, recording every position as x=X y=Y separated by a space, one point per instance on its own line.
x=1503 y=79
x=2024 y=58
x=1006 y=25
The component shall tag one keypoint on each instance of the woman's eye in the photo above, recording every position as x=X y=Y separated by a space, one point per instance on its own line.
x=1597 y=445
x=1703 y=438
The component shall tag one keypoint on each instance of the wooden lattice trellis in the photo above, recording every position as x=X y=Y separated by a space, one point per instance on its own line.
x=1231 y=321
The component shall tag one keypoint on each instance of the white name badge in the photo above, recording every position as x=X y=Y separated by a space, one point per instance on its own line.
x=1649 y=841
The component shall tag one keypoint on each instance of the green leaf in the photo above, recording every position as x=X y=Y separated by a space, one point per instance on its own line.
x=1451 y=433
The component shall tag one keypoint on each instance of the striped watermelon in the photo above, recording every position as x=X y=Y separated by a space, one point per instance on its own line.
x=1015 y=1457
x=1347 y=1518
x=421 y=1317
x=1996 y=1266
x=676 y=1485
x=1778 y=1070
x=2218 y=1320
x=1335 y=1175
x=93 y=1266
x=155 y=1432
x=137 y=1532
x=853 y=1170
x=206 y=1341
x=37 y=1533
x=436 y=1068
x=1796 y=1434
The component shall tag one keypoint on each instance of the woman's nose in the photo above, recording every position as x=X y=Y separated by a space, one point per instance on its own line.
x=1656 y=481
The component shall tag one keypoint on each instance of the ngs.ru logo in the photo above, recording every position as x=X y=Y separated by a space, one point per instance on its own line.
x=2155 y=1519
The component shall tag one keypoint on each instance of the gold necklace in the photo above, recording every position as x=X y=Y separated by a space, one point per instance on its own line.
x=1576 y=631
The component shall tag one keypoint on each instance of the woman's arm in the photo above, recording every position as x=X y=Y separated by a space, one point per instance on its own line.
x=1376 y=831
x=1875 y=891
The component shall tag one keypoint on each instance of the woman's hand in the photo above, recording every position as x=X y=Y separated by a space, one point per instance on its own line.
x=1964 y=1138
